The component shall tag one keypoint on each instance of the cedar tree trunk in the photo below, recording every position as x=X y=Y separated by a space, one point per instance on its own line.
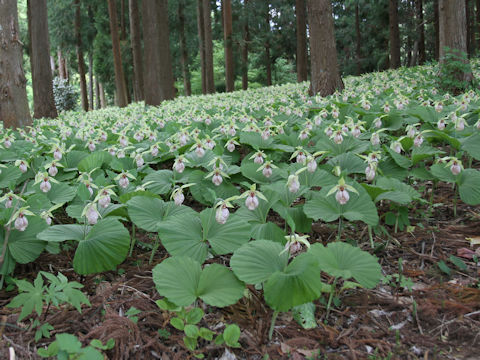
x=394 y=34
x=227 y=37
x=325 y=77
x=135 y=37
x=80 y=60
x=187 y=86
x=43 y=101
x=301 y=17
x=14 y=111
x=120 y=85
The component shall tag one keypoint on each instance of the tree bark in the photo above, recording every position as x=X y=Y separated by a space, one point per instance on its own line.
x=103 y=100
x=469 y=27
x=158 y=73
x=120 y=85
x=453 y=31
x=477 y=16
x=14 y=111
x=436 y=23
x=43 y=101
x=246 y=40
x=201 y=43
x=358 y=42
x=187 y=86
x=123 y=23
x=80 y=60
x=394 y=34
x=61 y=65
x=207 y=23
x=166 y=69
x=301 y=17
x=227 y=37
x=90 y=80
x=135 y=38
x=97 y=94
x=422 y=57
x=325 y=76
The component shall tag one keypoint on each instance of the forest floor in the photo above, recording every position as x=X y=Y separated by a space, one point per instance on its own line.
x=437 y=318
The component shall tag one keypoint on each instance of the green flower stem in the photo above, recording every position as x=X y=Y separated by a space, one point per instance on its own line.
x=272 y=324
x=334 y=285
x=154 y=249
x=340 y=226
x=370 y=235
x=132 y=242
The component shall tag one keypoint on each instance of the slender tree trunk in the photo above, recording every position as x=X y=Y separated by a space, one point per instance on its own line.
x=123 y=23
x=166 y=69
x=183 y=49
x=14 y=111
x=422 y=57
x=477 y=16
x=97 y=94
x=325 y=77
x=436 y=23
x=151 y=80
x=453 y=31
x=43 y=101
x=61 y=65
x=268 y=63
x=201 y=43
x=120 y=85
x=301 y=17
x=135 y=37
x=246 y=40
x=90 y=80
x=207 y=23
x=227 y=37
x=80 y=60
x=53 y=66
x=103 y=100
x=358 y=42
x=394 y=34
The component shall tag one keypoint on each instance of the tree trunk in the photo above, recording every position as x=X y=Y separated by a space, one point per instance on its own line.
x=97 y=94
x=80 y=60
x=301 y=17
x=43 y=101
x=187 y=86
x=422 y=57
x=14 y=111
x=469 y=27
x=120 y=85
x=166 y=70
x=90 y=80
x=268 y=64
x=477 y=16
x=201 y=43
x=123 y=23
x=325 y=77
x=436 y=23
x=227 y=37
x=453 y=31
x=53 y=66
x=358 y=38
x=135 y=38
x=103 y=100
x=246 y=40
x=394 y=34
x=207 y=23
x=158 y=74
x=61 y=65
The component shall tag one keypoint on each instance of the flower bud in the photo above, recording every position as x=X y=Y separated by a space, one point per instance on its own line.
x=222 y=214
x=179 y=198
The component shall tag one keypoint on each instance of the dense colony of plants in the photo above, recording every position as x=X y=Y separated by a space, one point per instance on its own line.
x=242 y=174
